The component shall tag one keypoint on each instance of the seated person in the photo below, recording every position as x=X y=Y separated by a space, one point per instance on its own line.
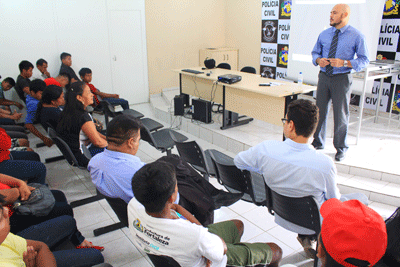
x=113 y=99
x=66 y=63
x=13 y=189
x=23 y=82
x=29 y=247
x=74 y=120
x=42 y=65
x=160 y=227
x=351 y=234
x=36 y=89
x=49 y=111
x=61 y=80
x=5 y=86
x=24 y=165
x=294 y=168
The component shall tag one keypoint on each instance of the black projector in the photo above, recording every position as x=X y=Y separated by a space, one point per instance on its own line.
x=229 y=78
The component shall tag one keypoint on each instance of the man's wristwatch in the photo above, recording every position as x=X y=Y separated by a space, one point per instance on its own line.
x=345 y=63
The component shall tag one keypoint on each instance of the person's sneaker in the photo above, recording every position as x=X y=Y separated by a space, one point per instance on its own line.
x=309 y=246
x=340 y=156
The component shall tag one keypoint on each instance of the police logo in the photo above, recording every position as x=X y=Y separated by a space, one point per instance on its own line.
x=380 y=57
x=269 y=31
x=286 y=8
x=138 y=226
x=283 y=56
x=391 y=7
x=267 y=72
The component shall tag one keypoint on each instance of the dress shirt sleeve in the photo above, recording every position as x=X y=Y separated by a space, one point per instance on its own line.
x=317 y=51
x=248 y=160
x=332 y=191
x=361 y=51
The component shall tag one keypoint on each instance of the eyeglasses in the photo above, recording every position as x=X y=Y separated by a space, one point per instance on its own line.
x=284 y=120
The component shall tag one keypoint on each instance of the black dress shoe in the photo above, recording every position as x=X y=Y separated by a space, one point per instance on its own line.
x=340 y=156
x=317 y=147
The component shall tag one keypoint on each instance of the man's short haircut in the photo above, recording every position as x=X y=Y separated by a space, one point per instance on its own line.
x=25 y=65
x=10 y=81
x=65 y=75
x=40 y=62
x=64 y=55
x=84 y=71
x=304 y=115
x=37 y=85
x=122 y=128
x=154 y=184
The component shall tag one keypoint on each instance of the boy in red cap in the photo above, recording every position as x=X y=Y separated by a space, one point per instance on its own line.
x=351 y=234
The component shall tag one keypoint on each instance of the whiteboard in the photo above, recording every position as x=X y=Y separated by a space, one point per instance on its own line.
x=310 y=17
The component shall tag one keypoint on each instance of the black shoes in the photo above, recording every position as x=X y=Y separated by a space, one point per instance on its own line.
x=340 y=156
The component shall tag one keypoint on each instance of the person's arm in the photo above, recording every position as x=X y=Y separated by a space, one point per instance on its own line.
x=6 y=102
x=94 y=136
x=181 y=210
x=362 y=59
x=105 y=95
x=44 y=257
x=47 y=141
x=16 y=116
x=317 y=52
x=23 y=189
x=248 y=160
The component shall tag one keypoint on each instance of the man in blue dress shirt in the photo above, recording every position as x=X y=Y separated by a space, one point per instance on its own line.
x=334 y=52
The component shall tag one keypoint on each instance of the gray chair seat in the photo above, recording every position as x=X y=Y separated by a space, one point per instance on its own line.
x=152 y=125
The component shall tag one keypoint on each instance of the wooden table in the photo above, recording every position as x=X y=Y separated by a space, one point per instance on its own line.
x=266 y=103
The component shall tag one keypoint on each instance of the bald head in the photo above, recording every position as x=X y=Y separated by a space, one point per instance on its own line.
x=340 y=15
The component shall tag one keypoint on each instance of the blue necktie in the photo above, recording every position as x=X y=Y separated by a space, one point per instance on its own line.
x=332 y=52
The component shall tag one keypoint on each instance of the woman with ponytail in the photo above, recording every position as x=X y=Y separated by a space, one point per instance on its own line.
x=76 y=125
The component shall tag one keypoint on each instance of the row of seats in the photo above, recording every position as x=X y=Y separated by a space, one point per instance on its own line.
x=247 y=69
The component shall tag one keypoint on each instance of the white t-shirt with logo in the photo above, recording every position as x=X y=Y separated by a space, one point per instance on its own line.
x=187 y=243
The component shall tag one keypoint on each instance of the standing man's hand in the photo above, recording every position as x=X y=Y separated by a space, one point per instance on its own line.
x=322 y=62
x=336 y=62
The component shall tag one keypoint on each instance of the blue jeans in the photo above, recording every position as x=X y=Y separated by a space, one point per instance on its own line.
x=6 y=121
x=25 y=155
x=118 y=101
x=55 y=231
x=27 y=170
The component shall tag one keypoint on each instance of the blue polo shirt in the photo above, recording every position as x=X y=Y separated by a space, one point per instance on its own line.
x=31 y=107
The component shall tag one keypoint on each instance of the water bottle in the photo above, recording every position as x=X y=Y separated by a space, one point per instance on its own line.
x=300 y=79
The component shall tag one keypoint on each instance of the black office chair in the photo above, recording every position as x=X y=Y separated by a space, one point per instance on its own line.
x=109 y=112
x=161 y=139
x=248 y=69
x=302 y=211
x=163 y=261
x=224 y=66
x=69 y=156
x=250 y=185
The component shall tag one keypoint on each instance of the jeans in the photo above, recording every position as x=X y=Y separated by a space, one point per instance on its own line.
x=27 y=170
x=118 y=101
x=6 y=121
x=25 y=155
x=55 y=231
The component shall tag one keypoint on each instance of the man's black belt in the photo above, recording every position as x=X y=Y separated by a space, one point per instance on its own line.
x=337 y=74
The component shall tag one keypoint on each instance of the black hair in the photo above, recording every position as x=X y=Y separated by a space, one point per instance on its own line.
x=64 y=55
x=50 y=93
x=73 y=108
x=10 y=81
x=2 y=201
x=37 y=85
x=154 y=184
x=25 y=65
x=122 y=128
x=84 y=71
x=304 y=115
x=40 y=62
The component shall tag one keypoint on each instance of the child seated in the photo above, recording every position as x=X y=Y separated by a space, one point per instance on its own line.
x=161 y=227
x=113 y=99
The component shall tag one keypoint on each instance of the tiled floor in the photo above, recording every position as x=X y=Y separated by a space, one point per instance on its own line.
x=119 y=249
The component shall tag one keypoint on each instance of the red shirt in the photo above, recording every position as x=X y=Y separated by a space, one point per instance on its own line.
x=51 y=81
x=94 y=90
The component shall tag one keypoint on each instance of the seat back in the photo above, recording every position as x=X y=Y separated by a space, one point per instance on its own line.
x=255 y=188
x=63 y=147
x=229 y=175
x=248 y=69
x=145 y=135
x=109 y=111
x=119 y=206
x=163 y=261
x=192 y=153
x=224 y=66
x=302 y=211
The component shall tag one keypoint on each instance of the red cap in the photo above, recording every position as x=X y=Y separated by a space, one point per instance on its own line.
x=352 y=230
